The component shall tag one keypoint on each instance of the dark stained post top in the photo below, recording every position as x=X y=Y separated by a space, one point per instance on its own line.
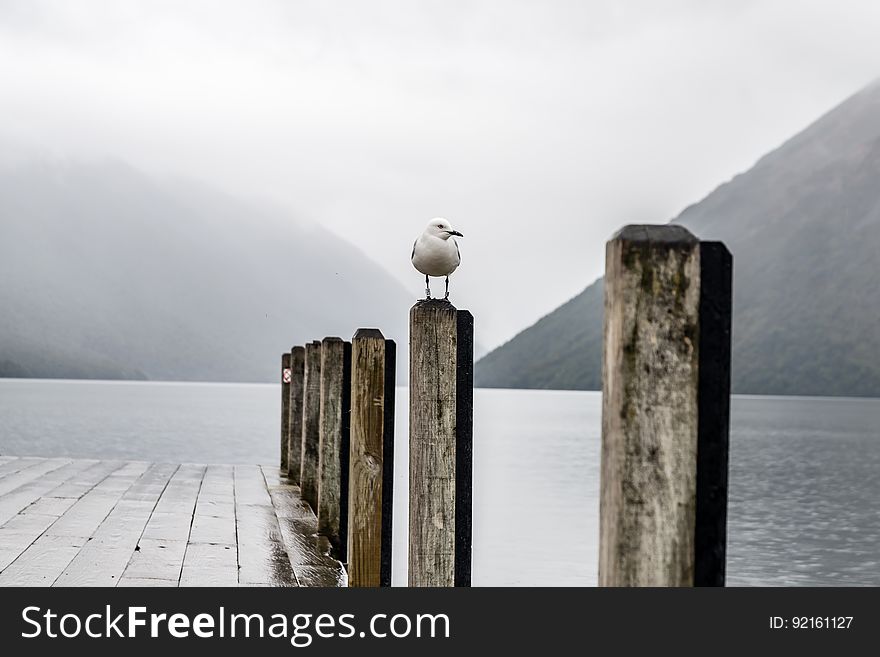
x=666 y=373
x=441 y=434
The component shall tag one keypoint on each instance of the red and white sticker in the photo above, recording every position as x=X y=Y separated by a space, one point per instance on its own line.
x=285 y=375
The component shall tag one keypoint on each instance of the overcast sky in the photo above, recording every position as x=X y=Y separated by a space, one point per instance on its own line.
x=538 y=128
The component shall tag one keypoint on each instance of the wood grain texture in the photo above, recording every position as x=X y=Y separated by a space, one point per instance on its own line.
x=434 y=494
x=371 y=459
x=295 y=418
x=88 y=523
x=104 y=558
x=308 y=481
x=262 y=554
x=649 y=409
x=333 y=423
x=285 y=410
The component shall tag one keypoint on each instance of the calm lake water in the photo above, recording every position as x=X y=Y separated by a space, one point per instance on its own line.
x=804 y=472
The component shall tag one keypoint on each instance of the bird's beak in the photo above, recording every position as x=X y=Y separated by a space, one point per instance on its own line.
x=455 y=232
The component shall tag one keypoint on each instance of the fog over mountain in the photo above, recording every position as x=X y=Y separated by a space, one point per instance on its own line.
x=803 y=226
x=106 y=272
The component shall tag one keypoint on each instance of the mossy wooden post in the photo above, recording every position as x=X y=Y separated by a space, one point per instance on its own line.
x=371 y=467
x=308 y=481
x=665 y=409
x=333 y=443
x=295 y=418
x=440 y=444
x=285 y=408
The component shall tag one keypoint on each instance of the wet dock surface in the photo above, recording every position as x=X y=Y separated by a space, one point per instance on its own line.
x=71 y=522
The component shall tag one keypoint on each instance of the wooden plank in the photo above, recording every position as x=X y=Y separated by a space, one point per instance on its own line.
x=441 y=361
x=24 y=497
x=84 y=517
x=42 y=562
x=20 y=531
x=208 y=564
x=295 y=415
x=28 y=524
x=319 y=576
x=146 y=582
x=12 y=544
x=371 y=459
x=274 y=477
x=172 y=517
x=250 y=486
x=169 y=526
x=307 y=551
x=214 y=519
x=26 y=475
x=139 y=524
x=18 y=534
x=212 y=529
x=211 y=556
x=308 y=482
x=333 y=442
x=262 y=554
x=103 y=559
x=180 y=495
x=304 y=545
x=162 y=546
x=152 y=484
x=156 y=559
x=18 y=464
x=50 y=506
x=85 y=480
x=288 y=504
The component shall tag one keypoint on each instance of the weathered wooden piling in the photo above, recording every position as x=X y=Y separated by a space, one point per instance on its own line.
x=371 y=468
x=665 y=409
x=295 y=417
x=440 y=444
x=308 y=480
x=285 y=408
x=333 y=441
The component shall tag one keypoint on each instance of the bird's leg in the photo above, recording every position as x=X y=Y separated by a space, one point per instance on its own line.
x=427 y=287
x=447 y=288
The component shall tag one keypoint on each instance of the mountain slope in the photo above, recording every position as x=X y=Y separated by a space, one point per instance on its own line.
x=804 y=228
x=108 y=273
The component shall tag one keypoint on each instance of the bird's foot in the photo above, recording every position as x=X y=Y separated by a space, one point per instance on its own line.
x=446 y=298
x=428 y=295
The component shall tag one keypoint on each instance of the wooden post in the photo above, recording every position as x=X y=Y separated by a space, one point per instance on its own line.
x=308 y=481
x=371 y=468
x=295 y=419
x=333 y=458
x=285 y=408
x=665 y=409
x=440 y=444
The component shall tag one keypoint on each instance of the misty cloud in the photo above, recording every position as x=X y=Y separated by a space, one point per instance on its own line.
x=538 y=128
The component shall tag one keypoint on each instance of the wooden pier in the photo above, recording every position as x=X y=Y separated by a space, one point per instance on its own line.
x=663 y=499
x=67 y=522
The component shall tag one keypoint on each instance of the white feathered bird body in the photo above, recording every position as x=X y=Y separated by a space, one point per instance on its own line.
x=435 y=256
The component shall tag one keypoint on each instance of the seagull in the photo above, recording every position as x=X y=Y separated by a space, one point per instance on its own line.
x=436 y=253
